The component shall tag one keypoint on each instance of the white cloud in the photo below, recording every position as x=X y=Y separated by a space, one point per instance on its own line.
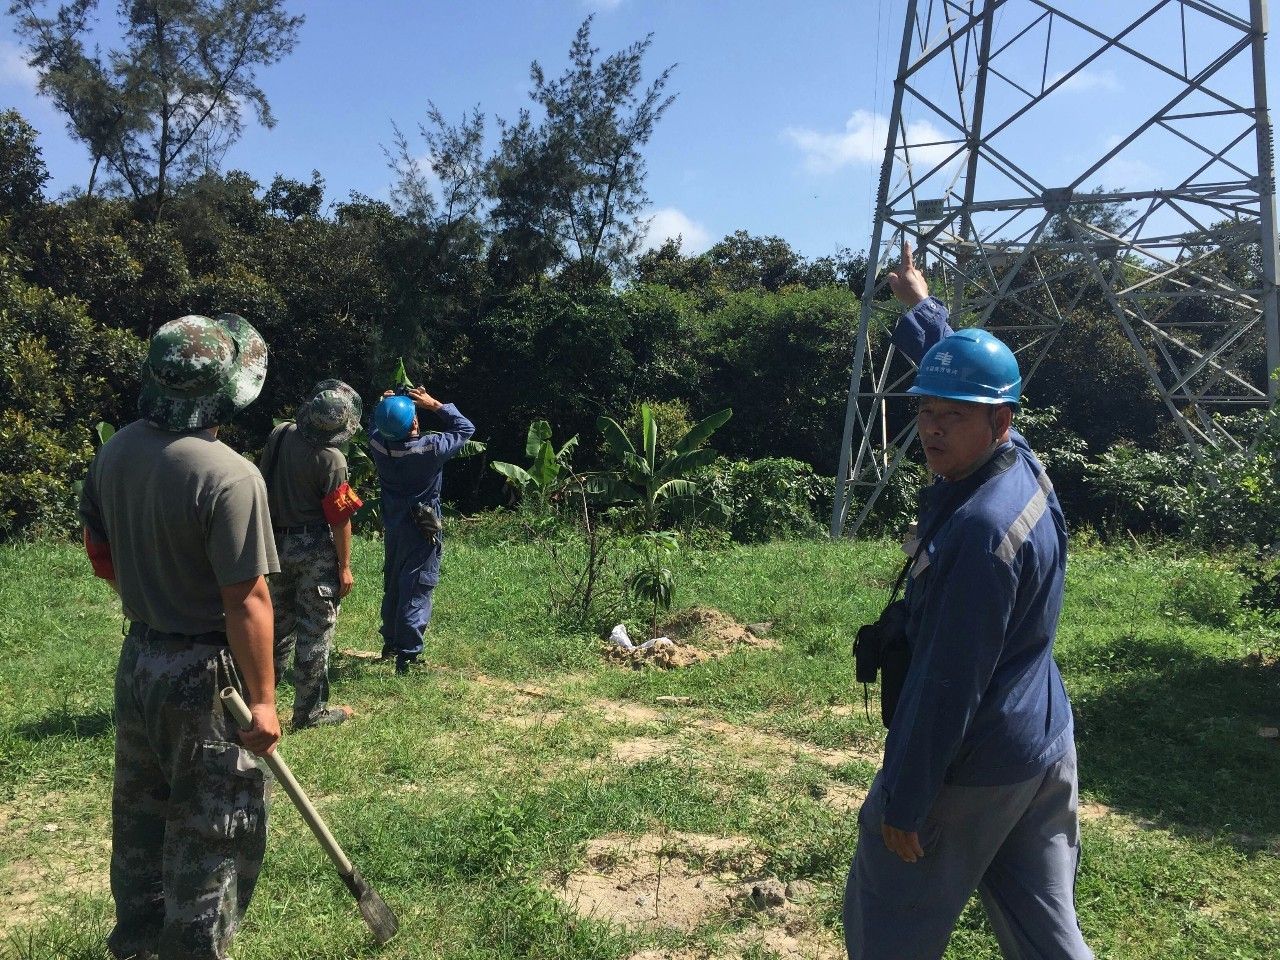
x=862 y=142
x=14 y=69
x=669 y=223
x=1088 y=81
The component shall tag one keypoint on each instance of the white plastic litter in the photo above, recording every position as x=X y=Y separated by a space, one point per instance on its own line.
x=618 y=637
x=656 y=643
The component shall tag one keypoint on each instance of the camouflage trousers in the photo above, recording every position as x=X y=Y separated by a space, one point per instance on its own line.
x=188 y=807
x=304 y=595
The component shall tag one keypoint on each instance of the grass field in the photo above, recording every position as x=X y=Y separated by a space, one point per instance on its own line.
x=528 y=798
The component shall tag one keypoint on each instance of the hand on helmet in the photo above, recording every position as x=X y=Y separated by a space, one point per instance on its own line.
x=907 y=282
x=423 y=400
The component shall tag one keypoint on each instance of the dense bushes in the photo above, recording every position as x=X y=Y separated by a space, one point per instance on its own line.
x=769 y=499
x=749 y=325
x=59 y=374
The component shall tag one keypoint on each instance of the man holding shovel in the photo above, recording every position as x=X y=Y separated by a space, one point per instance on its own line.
x=978 y=786
x=177 y=522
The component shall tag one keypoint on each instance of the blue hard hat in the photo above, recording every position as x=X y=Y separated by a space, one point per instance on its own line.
x=970 y=365
x=394 y=417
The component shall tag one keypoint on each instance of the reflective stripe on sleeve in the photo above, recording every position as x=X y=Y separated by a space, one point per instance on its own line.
x=1025 y=521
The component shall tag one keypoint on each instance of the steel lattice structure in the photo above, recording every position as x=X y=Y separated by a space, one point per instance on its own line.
x=1189 y=276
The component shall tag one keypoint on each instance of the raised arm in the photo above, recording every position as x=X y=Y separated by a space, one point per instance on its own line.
x=925 y=321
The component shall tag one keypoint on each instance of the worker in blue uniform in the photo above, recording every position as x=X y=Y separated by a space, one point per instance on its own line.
x=978 y=788
x=409 y=463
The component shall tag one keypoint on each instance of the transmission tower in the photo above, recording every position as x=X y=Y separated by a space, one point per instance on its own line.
x=1014 y=241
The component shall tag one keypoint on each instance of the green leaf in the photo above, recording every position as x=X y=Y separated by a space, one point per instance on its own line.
x=700 y=431
x=683 y=463
x=649 y=430
x=544 y=468
x=567 y=450
x=471 y=448
x=611 y=488
x=104 y=430
x=539 y=434
x=614 y=437
x=399 y=378
x=518 y=476
x=676 y=489
x=637 y=467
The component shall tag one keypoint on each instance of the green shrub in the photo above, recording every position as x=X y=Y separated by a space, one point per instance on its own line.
x=1233 y=496
x=59 y=375
x=1139 y=490
x=1205 y=591
x=769 y=499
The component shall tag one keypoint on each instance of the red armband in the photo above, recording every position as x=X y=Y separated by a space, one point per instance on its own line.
x=340 y=505
x=99 y=557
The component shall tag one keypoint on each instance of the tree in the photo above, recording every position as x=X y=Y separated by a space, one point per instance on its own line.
x=568 y=187
x=22 y=170
x=167 y=103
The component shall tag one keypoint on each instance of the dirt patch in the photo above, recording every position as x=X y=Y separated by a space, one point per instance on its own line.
x=1093 y=811
x=632 y=714
x=772 y=748
x=640 y=749
x=675 y=880
x=696 y=635
x=353 y=654
x=534 y=721
x=842 y=798
x=792 y=941
x=681 y=881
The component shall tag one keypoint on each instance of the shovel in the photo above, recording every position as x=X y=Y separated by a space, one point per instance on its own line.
x=376 y=913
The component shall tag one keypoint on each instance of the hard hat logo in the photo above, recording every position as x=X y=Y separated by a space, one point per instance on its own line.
x=331 y=415
x=972 y=366
x=201 y=372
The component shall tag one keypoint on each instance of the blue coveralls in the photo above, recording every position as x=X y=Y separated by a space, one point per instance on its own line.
x=980 y=756
x=410 y=473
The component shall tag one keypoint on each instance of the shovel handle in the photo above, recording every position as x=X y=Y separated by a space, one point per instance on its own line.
x=239 y=710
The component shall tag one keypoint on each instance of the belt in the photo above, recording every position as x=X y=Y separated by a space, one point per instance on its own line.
x=214 y=638
x=301 y=528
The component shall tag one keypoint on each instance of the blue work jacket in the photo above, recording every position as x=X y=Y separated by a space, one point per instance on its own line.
x=409 y=472
x=983 y=702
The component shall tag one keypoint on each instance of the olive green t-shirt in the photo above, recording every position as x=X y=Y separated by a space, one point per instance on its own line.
x=299 y=476
x=185 y=515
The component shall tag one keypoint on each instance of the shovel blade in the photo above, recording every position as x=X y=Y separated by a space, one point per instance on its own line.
x=377 y=915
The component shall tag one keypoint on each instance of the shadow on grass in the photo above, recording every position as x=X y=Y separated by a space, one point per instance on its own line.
x=1174 y=739
x=87 y=725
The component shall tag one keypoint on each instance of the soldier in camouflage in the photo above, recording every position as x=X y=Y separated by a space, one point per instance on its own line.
x=177 y=523
x=311 y=509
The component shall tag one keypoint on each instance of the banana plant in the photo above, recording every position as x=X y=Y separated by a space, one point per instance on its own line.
x=652 y=581
x=650 y=481
x=547 y=465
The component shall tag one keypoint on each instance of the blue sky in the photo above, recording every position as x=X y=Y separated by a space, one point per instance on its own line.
x=776 y=129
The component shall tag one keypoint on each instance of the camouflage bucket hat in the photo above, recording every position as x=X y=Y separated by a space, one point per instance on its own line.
x=201 y=372
x=331 y=415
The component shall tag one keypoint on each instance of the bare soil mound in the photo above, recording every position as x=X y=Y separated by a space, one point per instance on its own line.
x=696 y=635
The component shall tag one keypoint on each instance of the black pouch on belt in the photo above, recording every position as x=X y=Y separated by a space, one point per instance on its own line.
x=428 y=521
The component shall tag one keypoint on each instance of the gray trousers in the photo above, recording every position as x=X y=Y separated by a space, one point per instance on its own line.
x=1018 y=845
